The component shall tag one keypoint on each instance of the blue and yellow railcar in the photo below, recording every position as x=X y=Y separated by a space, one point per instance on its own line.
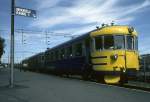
x=109 y=54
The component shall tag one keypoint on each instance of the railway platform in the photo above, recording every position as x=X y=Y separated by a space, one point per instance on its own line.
x=36 y=87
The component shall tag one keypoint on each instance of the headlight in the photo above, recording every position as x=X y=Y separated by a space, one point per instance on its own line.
x=131 y=29
x=114 y=57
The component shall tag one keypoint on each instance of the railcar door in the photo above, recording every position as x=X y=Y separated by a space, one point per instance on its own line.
x=132 y=62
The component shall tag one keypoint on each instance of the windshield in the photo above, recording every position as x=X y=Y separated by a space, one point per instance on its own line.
x=119 y=42
x=115 y=42
x=130 y=42
x=108 y=42
x=98 y=43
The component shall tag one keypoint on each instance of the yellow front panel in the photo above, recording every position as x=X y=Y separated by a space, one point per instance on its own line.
x=132 y=60
x=112 y=65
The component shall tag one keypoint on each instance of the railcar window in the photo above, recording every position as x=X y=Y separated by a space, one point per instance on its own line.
x=62 y=54
x=52 y=56
x=56 y=55
x=39 y=58
x=78 y=49
x=108 y=42
x=119 y=42
x=130 y=42
x=47 y=56
x=69 y=52
x=42 y=57
x=98 y=43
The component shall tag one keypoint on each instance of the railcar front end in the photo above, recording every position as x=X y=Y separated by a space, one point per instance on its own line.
x=114 y=53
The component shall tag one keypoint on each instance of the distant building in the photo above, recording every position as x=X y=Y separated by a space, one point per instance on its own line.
x=1 y=47
x=145 y=60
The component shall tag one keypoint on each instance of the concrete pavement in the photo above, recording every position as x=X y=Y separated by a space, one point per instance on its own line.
x=36 y=87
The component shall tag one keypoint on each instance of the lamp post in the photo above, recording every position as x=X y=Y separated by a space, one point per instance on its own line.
x=12 y=44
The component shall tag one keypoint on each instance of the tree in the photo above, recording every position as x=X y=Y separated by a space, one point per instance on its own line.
x=1 y=46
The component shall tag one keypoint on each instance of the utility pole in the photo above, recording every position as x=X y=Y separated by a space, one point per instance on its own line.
x=12 y=45
x=144 y=68
x=22 y=48
x=47 y=40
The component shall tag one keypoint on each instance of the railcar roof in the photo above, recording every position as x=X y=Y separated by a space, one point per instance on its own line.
x=71 y=41
x=34 y=56
x=115 y=29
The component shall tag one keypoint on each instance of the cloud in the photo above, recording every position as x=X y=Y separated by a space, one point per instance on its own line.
x=77 y=31
x=132 y=9
x=85 y=12
x=45 y=4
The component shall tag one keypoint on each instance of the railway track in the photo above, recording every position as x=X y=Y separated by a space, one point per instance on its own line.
x=134 y=87
x=130 y=85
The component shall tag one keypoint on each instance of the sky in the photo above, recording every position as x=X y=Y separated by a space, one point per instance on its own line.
x=59 y=18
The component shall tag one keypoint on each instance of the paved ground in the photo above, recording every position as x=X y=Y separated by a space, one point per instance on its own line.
x=35 y=87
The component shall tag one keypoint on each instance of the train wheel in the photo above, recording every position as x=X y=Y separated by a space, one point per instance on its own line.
x=66 y=75
x=86 y=72
x=100 y=78
x=123 y=79
x=85 y=76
